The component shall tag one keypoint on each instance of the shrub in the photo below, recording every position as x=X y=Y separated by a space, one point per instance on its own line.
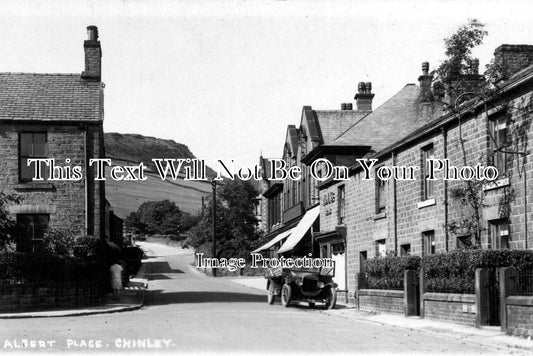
x=388 y=272
x=132 y=256
x=454 y=272
x=43 y=269
x=86 y=246
x=58 y=241
x=9 y=246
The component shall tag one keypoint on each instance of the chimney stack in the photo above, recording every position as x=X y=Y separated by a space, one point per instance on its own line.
x=511 y=58
x=93 y=56
x=364 y=96
x=425 y=81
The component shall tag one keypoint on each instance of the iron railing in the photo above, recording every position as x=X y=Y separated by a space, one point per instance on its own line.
x=521 y=282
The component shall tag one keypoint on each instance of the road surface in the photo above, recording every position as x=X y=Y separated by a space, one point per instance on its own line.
x=188 y=312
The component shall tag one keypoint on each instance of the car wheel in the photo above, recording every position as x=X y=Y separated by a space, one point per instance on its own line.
x=331 y=299
x=271 y=296
x=311 y=305
x=286 y=294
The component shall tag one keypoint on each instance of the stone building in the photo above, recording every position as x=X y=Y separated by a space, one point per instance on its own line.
x=364 y=218
x=57 y=116
x=414 y=215
x=340 y=203
x=293 y=205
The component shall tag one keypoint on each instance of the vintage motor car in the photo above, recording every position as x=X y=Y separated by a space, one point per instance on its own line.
x=309 y=285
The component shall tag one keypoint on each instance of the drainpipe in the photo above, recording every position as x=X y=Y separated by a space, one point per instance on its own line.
x=86 y=163
x=446 y=234
x=395 y=208
x=525 y=205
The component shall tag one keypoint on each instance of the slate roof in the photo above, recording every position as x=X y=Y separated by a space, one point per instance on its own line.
x=393 y=120
x=50 y=97
x=332 y=123
x=292 y=139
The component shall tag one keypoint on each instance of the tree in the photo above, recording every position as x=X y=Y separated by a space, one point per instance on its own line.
x=158 y=217
x=188 y=221
x=459 y=60
x=6 y=223
x=133 y=223
x=235 y=222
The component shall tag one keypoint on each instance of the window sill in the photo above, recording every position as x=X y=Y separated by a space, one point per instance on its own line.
x=380 y=216
x=426 y=203
x=34 y=186
x=500 y=183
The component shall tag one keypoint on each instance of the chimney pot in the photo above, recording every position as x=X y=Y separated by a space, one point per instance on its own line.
x=92 y=33
x=343 y=106
x=349 y=106
x=425 y=68
x=368 y=87
x=361 y=87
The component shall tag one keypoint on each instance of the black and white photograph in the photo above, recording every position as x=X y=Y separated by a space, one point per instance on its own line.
x=236 y=177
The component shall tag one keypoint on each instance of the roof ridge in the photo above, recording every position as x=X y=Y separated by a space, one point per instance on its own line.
x=45 y=74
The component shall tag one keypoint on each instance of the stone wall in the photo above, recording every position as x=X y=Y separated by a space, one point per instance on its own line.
x=385 y=301
x=456 y=308
x=20 y=298
x=520 y=315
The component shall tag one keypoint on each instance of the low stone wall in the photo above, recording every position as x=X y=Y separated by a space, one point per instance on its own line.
x=385 y=301
x=23 y=297
x=520 y=315
x=457 y=308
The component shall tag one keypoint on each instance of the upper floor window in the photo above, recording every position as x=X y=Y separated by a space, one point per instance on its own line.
x=31 y=145
x=498 y=145
x=380 y=195
x=428 y=186
x=499 y=234
x=341 y=201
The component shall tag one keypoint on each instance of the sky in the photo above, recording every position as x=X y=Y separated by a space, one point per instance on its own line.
x=227 y=77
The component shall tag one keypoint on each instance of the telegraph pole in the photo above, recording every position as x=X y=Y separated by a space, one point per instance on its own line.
x=214 y=186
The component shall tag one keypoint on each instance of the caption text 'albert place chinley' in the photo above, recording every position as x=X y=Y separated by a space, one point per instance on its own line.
x=195 y=169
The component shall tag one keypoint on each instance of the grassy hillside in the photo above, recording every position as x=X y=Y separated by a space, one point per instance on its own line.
x=126 y=196
x=135 y=149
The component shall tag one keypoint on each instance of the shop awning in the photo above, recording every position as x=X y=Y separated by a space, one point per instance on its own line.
x=299 y=231
x=275 y=240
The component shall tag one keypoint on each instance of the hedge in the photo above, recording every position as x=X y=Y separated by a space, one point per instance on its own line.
x=454 y=272
x=448 y=272
x=22 y=268
x=387 y=272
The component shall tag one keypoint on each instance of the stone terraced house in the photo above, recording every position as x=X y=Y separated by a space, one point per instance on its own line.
x=361 y=218
x=420 y=216
x=57 y=116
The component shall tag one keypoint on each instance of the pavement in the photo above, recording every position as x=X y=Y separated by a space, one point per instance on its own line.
x=186 y=312
x=486 y=335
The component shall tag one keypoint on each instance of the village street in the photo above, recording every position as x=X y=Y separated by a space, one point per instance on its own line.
x=188 y=312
